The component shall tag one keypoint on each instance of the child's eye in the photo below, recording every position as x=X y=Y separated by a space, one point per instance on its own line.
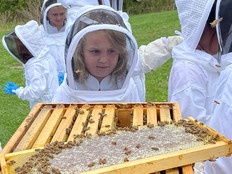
x=111 y=51
x=95 y=51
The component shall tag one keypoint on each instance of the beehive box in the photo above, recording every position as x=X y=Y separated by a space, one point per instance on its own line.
x=48 y=123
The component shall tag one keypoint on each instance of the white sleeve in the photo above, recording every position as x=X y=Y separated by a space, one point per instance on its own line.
x=36 y=87
x=157 y=52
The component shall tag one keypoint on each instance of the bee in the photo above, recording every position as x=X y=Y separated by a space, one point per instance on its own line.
x=218 y=66
x=217 y=102
x=114 y=142
x=212 y=159
x=17 y=169
x=138 y=146
x=63 y=117
x=102 y=161
x=126 y=159
x=91 y=164
x=149 y=125
x=125 y=148
x=107 y=125
x=77 y=71
x=151 y=137
x=91 y=121
x=216 y=137
x=215 y=22
x=55 y=170
x=155 y=148
x=212 y=141
x=11 y=162
x=128 y=152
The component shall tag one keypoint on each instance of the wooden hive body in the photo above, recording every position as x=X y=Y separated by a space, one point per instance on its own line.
x=48 y=123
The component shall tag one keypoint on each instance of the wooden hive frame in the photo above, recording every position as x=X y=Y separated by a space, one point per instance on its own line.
x=47 y=123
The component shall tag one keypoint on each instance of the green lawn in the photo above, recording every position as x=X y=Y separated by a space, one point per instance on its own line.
x=146 y=28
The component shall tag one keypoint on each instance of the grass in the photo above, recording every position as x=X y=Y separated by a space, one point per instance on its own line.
x=145 y=27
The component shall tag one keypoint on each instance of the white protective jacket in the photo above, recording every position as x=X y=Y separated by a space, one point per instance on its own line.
x=221 y=120
x=40 y=71
x=53 y=39
x=194 y=73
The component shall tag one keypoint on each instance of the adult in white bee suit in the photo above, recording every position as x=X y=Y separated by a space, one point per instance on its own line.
x=195 y=68
x=221 y=120
x=26 y=45
x=53 y=20
x=122 y=88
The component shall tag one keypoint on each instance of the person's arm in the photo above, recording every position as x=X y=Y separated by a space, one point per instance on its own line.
x=157 y=52
x=36 y=84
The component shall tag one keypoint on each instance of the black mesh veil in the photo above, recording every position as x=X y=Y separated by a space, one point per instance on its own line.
x=16 y=48
x=225 y=25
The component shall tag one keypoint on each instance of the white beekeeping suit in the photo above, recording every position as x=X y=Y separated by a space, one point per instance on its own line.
x=26 y=45
x=115 y=89
x=221 y=120
x=194 y=72
x=55 y=39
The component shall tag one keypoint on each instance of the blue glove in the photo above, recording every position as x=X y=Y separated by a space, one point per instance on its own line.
x=60 y=78
x=8 y=89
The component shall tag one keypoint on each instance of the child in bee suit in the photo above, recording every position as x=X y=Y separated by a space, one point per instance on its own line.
x=195 y=68
x=53 y=20
x=102 y=60
x=221 y=120
x=27 y=46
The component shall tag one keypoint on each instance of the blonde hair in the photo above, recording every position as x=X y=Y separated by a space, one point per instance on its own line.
x=118 y=40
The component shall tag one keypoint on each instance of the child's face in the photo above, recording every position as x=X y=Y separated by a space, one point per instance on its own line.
x=57 y=16
x=100 y=56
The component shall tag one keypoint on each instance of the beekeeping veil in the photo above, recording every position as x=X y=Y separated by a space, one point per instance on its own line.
x=224 y=25
x=24 y=42
x=47 y=5
x=193 y=15
x=94 y=18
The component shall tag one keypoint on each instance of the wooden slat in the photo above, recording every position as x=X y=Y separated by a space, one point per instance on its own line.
x=50 y=127
x=20 y=132
x=79 y=123
x=176 y=111
x=152 y=115
x=137 y=115
x=3 y=164
x=108 y=119
x=35 y=129
x=172 y=171
x=165 y=116
x=187 y=169
x=166 y=161
x=96 y=115
x=165 y=113
x=60 y=134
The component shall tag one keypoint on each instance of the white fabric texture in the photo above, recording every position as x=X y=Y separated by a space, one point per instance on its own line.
x=55 y=41
x=194 y=73
x=193 y=15
x=40 y=71
x=222 y=118
x=157 y=52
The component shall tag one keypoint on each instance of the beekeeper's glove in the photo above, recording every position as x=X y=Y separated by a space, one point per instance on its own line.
x=172 y=41
x=10 y=89
x=60 y=78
